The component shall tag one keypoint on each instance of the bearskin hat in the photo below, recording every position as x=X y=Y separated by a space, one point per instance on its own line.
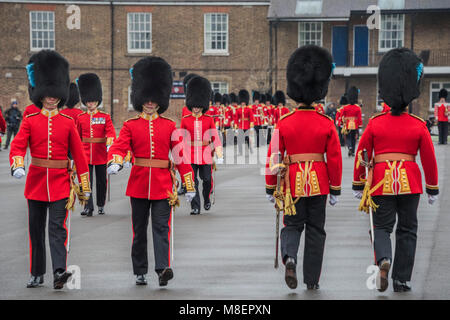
x=90 y=88
x=187 y=78
x=226 y=99
x=74 y=96
x=198 y=91
x=343 y=101
x=263 y=98
x=48 y=76
x=269 y=98
x=217 y=97
x=352 y=95
x=256 y=96
x=399 y=75
x=151 y=81
x=279 y=97
x=308 y=74
x=443 y=94
x=233 y=98
x=243 y=96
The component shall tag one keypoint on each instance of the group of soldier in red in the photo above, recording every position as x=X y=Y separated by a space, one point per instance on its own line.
x=303 y=169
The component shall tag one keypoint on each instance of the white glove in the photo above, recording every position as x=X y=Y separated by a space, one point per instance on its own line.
x=432 y=199
x=236 y=131
x=113 y=169
x=360 y=131
x=270 y=198
x=107 y=148
x=87 y=194
x=1 y=134
x=219 y=161
x=189 y=196
x=333 y=199
x=127 y=164
x=19 y=173
x=357 y=194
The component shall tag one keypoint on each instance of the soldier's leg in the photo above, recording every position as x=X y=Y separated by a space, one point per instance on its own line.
x=269 y=135
x=195 y=203
x=445 y=133
x=101 y=183
x=257 y=135
x=8 y=137
x=205 y=172
x=440 y=129
x=292 y=231
x=90 y=204
x=37 y=217
x=58 y=234
x=383 y=222
x=140 y=211
x=161 y=229
x=314 y=239
x=405 y=237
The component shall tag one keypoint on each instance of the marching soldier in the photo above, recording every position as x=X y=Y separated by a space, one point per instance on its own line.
x=213 y=110
x=257 y=115
x=302 y=138
x=394 y=183
x=280 y=106
x=97 y=134
x=233 y=124
x=50 y=135
x=442 y=117
x=244 y=119
x=74 y=98
x=271 y=116
x=152 y=183
x=343 y=102
x=200 y=133
x=352 y=120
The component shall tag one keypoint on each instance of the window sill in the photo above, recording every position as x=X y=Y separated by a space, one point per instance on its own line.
x=215 y=54
x=138 y=54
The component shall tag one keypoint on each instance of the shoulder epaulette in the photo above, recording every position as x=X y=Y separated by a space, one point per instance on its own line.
x=32 y=114
x=378 y=114
x=324 y=115
x=207 y=115
x=417 y=117
x=164 y=117
x=287 y=115
x=134 y=118
x=100 y=111
x=187 y=115
x=65 y=115
x=84 y=112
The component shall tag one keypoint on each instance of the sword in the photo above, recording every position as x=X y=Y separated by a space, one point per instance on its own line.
x=171 y=234
x=368 y=165
x=109 y=188
x=277 y=215
x=68 y=230
x=214 y=184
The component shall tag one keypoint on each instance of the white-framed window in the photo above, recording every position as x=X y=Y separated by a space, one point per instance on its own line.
x=219 y=86
x=435 y=87
x=139 y=32
x=309 y=33
x=391 y=34
x=42 y=30
x=216 y=33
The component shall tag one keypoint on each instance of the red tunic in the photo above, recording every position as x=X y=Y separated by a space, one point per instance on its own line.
x=200 y=129
x=31 y=109
x=258 y=114
x=386 y=108
x=244 y=118
x=214 y=112
x=319 y=108
x=228 y=117
x=51 y=135
x=278 y=112
x=96 y=125
x=151 y=138
x=185 y=111
x=2 y=126
x=442 y=114
x=73 y=113
x=307 y=131
x=351 y=116
x=405 y=133
x=339 y=117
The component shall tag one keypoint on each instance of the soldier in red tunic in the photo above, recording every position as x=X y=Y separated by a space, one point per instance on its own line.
x=280 y=106
x=352 y=119
x=213 y=110
x=31 y=109
x=342 y=102
x=74 y=98
x=152 y=183
x=244 y=120
x=394 y=184
x=257 y=115
x=2 y=127
x=200 y=133
x=442 y=117
x=50 y=135
x=97 y=134
x=302 y=138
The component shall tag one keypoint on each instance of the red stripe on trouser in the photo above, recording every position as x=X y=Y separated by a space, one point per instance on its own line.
x=29 y=239
x=169 y=234
x=67 y=233
x=212 y=183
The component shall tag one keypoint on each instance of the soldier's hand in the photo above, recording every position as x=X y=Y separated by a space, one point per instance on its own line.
x=357 y=194
x=189 y=196
x=219 y=161
x=432 y=199
x=333 y=199
x=270 y=198
x=127 y=164
x=113 y=168
x=87 y=195
x=18 y=173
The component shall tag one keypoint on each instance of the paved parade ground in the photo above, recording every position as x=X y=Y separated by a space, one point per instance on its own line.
x=225 y=253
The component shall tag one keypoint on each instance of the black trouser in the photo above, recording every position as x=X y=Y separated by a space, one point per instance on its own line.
x=269 y=135
x=161 y=228
x=311 y=217
x=243 y=136
x=100 y=185
x=351 y=140
x=341 y=136
x=257 y=128
x=11 y=131
x=57 y=234
x=443 y=132
x=205 y=173
x=405 y=207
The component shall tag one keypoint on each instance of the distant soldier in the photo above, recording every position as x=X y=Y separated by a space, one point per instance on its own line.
x=97 y=134
x=442 y=117
x=74 y=98
x=13 y=117
x=339 y=123
x=352 y=119
x=303 y=137
x=49 y=186
x=244 y=119
x=185 y=110
x=394 y=183
x=258 y=115
x=152 y=183
x=213 y=110
x=2 y=127
x=280 y=106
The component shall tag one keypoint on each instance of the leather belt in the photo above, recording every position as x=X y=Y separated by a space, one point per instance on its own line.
x=151 y=163
x=94 y=140
x=200 y=143
x=51 y=164
x=303 y=157
x=394 y=156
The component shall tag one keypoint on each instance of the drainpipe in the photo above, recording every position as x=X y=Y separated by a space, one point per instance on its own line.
x=112 y=61
x=276 y=55
x=270 y=55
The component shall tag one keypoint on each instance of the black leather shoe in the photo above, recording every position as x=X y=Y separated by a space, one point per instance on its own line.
x=60 y=279
x=401 y=286
x=382 y=277
x=141 y=280
x=313 y=286
x=290 y=274
x=35 y=281
x=165 y=276
x=207 y=205
x=195 y=212
x=101 y=210
x=87 y=212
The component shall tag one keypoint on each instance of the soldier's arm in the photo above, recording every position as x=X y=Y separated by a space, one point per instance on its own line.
x=110 y=131
x=79 y=157
x=276 y=146
x=359 y=173
x=19 y=147
x=120 y=147
x=334 y=161
x=429 y=164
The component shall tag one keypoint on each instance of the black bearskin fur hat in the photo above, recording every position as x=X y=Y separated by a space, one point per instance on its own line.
x=74 y=96
x=198 y=92
x=279 y=97
x=243 y=97
x=90 y=88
